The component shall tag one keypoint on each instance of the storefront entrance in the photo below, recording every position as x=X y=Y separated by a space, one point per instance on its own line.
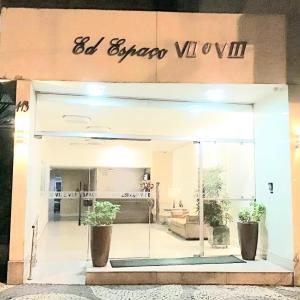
x=181 y=165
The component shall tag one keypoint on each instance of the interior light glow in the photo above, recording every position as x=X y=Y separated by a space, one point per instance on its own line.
x=214 y=95
x=95 y=90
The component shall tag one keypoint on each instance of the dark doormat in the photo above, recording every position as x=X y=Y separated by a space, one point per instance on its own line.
x=125 y=263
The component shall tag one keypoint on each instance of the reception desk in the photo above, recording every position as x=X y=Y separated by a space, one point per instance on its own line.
x=132 y=210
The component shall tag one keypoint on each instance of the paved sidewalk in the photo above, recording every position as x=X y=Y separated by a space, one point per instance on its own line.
x=146 y=292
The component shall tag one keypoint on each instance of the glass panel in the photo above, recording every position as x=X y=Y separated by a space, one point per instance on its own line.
x=175 y=230
x=228 y=186
x=121 y=186
x=130 y=236
x=176 y=169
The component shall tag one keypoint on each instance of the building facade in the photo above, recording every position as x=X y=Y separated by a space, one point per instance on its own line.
x=55 y=50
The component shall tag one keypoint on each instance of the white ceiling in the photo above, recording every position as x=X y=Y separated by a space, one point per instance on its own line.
x=201 y=111
x=225 y=93
x=77 y=143
x=142 y=119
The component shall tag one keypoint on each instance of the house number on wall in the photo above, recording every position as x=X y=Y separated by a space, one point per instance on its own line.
x=22 y=106
x=188 y=49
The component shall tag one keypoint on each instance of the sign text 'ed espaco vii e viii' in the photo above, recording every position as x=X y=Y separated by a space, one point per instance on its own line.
x=188 y=49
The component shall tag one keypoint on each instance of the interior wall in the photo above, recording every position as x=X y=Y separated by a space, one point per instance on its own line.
x=120 y=179
x=71 y=182
x=185 y=174
x=119 y=155
x=273 y=165
x=162 y=166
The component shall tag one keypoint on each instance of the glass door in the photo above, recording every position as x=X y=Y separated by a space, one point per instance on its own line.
x=227 y=177
x=120 y=186
x=175 y=227
x=198 y=197
x=74 y=192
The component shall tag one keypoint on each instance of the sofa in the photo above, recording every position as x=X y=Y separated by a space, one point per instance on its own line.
x=186 y=226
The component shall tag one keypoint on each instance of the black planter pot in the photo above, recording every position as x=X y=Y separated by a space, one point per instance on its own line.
x=100 y=244
x=248 y=236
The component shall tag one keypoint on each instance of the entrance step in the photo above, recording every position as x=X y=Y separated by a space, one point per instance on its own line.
x=252 y=273
x=253 y=278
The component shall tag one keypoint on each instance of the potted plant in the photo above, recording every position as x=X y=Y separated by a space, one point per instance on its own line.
x=100 y=220
x=216 y=207
x=248 y=229
x=217 y=216
x=146 y=186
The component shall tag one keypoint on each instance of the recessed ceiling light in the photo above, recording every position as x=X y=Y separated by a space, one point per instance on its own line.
x=95 y=90
x=76 y=118
x=98 y=128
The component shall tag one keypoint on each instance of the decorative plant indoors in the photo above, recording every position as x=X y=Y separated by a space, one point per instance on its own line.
x=146 y=186
x=216 y=207
x=248 y=229
x=100 y=219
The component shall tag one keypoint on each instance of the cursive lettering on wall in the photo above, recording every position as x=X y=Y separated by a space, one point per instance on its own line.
x=119 y=48
x=188 y=49
x=80 y=45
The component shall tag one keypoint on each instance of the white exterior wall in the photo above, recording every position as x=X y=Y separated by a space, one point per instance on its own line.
x=273 y=164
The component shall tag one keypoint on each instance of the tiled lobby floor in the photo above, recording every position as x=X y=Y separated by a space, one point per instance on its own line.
x=63 y=251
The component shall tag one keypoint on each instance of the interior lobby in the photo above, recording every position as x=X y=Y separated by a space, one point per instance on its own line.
x=106 y=139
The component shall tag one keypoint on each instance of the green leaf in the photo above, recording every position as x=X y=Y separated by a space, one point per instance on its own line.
x=216 y=212
x=103 y=213
x=254 y=213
